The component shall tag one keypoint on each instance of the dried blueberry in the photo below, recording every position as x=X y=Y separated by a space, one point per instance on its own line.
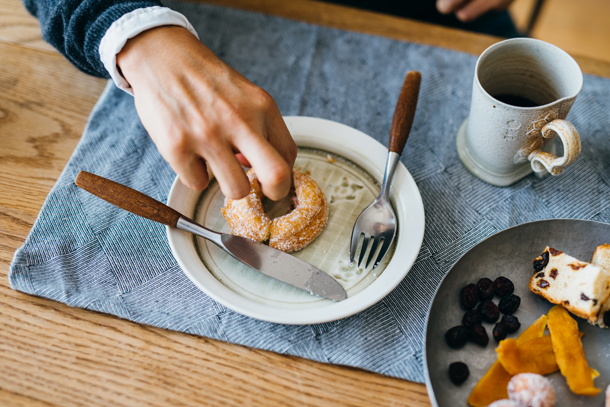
x=458 y=373
x=490 y=311
x=509 y=304
x=503 y=286
x=457 y=336
x=486 y=289
x=478 y=335
x=500 y=331
x=541 y=261
x=470 y=296
x=472 y=317
x=511 y=322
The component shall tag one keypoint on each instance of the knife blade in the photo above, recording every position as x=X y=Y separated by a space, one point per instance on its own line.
x=267 y=260
x=271 y=262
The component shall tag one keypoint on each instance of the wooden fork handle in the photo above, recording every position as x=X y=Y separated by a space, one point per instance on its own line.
x=405 y=112
x=127 y=198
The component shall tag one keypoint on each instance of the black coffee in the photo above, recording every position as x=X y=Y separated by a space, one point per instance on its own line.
x=516 y=100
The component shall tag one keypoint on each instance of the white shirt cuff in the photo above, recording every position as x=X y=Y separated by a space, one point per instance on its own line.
x=130 y=25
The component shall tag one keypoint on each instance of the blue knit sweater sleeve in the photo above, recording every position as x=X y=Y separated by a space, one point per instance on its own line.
x=76 y=27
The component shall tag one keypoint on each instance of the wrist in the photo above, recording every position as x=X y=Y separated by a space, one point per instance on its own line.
x=130 y=25
x=138 y=53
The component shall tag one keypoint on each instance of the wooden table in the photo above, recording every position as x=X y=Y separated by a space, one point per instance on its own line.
x=55 y=355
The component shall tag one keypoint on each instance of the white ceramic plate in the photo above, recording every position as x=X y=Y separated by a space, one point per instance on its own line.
x=248 y=292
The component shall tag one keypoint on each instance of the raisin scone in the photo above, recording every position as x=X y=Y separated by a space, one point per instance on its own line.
x=601 y=258
x=581 y=288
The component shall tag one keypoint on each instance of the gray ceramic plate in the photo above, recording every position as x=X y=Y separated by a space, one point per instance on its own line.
x=510 y=253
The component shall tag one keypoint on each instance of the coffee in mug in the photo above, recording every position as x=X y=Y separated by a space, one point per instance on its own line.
x=523 y=90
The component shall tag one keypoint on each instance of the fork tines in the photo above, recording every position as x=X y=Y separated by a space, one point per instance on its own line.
x=385 y=240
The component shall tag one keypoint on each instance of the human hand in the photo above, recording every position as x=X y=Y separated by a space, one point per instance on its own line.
x=199 y=111
x=469 y=10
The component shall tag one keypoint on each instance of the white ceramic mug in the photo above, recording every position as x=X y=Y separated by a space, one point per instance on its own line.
x=523 y=90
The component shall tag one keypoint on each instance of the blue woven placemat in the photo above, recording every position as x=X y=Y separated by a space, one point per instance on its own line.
x=89 y=254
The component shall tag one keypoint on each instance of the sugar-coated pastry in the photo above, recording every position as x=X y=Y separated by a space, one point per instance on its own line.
x=608 y=396
x=531 y=390
x=505 y=403
x=581 y=288
x=304 y=223
x=246 y=217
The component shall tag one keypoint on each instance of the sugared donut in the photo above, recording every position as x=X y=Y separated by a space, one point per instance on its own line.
x=246 y=217
x=505 y=403
x=608 y=396
x=304 y=223
x=531 y=390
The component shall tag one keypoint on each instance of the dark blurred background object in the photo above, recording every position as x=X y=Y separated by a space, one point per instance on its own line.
x=497 y=23
x=579 y=27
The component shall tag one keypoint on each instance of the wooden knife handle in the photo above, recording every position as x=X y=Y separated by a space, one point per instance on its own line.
x=127 y=198
x=405 y=112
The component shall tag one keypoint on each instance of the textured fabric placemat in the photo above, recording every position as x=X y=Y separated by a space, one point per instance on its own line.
x=89 y=254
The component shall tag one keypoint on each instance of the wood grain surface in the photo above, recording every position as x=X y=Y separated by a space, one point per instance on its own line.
x=127 y=198
x=404 y=112
x=55 y=355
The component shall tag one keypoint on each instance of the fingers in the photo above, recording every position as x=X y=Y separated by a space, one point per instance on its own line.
x=262 y=141
x=474 y=9
x=243 y=160
x=192 y=171
x=448 y=6
x=228 y=171
x=191 y=167
x=469 y=10
x=269 y=149
x=279 y=137
x=272 y=171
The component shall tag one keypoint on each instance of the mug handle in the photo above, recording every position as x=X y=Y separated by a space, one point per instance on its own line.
x=542 y=161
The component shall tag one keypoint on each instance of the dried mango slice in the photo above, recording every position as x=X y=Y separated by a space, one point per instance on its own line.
x=535 y=330
x=491 y=387
x=493 y=384
x=569 y=352
x=533 y=356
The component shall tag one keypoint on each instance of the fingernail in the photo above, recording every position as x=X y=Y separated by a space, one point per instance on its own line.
x=442 y=6
x=462 y=16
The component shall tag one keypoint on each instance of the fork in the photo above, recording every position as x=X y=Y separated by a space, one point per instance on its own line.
x=377 y=222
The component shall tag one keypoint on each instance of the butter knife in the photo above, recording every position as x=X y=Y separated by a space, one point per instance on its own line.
x=269 y=261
